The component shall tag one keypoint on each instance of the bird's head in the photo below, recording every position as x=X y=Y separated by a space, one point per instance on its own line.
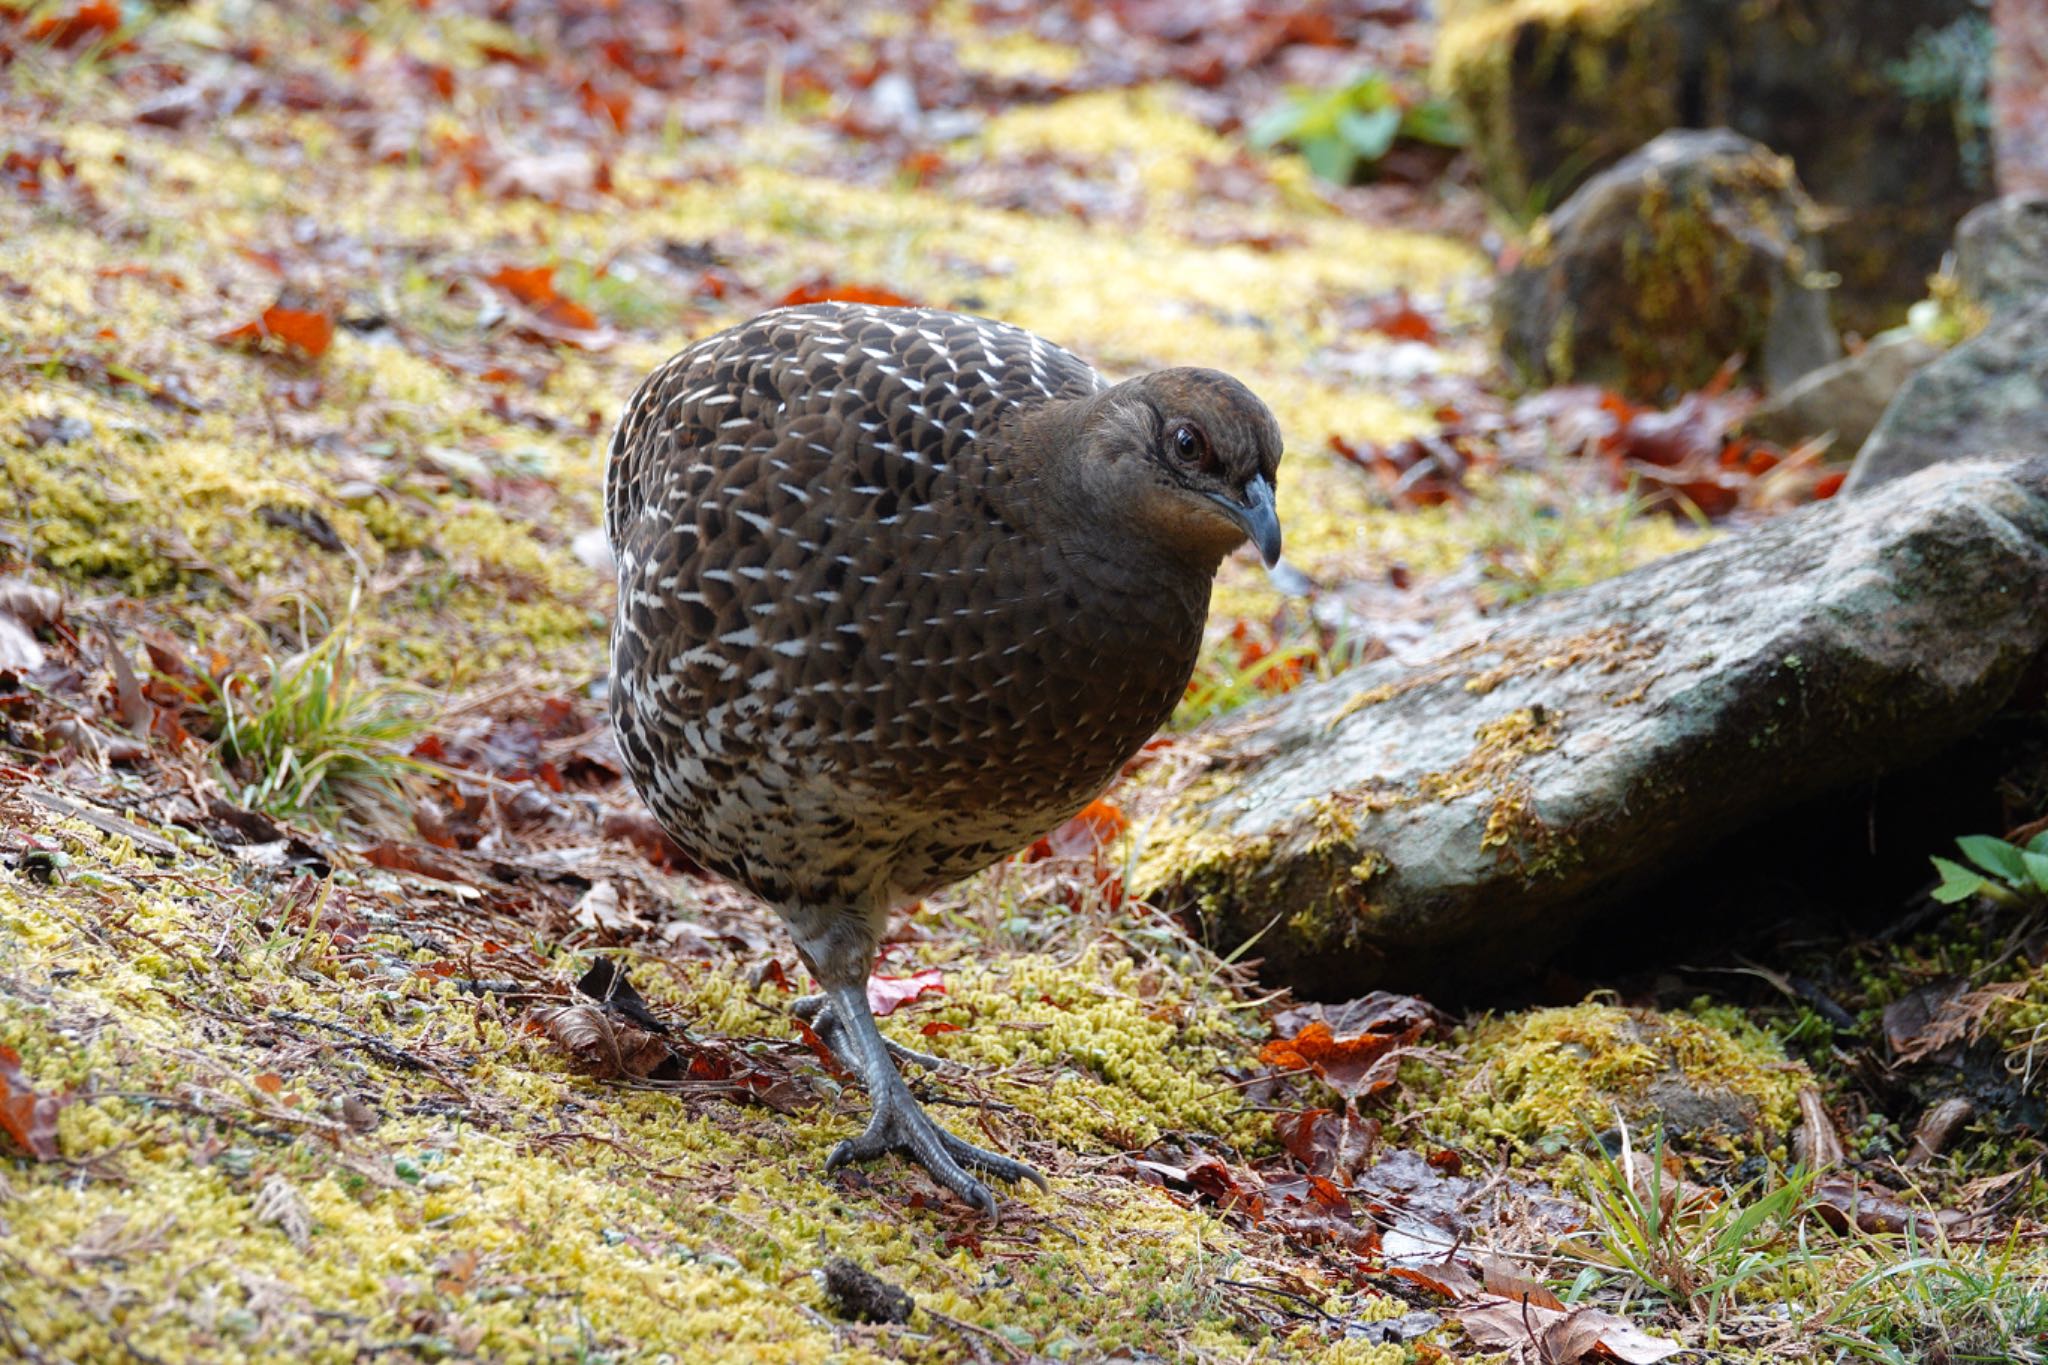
x=1184 y=459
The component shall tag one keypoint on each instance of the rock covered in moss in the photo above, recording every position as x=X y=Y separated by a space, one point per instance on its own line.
x=1552 y=1077
x=1880 y=103
x=1989 y=395
x=1446 y=819
x=1694 y=249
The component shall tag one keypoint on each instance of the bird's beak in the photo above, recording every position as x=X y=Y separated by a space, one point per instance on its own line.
x=1256 y=515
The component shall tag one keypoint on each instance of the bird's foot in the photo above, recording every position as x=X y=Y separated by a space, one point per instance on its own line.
x=816 y=1010
x=900 y=1125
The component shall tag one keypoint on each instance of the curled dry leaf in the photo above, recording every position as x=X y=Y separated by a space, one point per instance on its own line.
x=1843 y=1202
x=279 y=1204
x=1938 y=1127
x=1816 y=1144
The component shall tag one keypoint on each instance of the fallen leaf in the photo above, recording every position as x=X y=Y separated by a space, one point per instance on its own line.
x=1356 y=1065
x=823 y=290
x=28 y=1117
x=1087 y=834
x=1843 y=1202
x=1533 y=1333
x=599 y=909
x=1816 y=1144
x=887 y=994
x=308 y=331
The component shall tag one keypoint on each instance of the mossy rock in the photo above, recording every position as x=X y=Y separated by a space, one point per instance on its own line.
x=1695 y=249
x=1436 y=822
x=1549 y=1079
x=1880 y=103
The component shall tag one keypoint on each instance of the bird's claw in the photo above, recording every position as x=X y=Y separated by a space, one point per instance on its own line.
x=816 y=1010
x=899 y=1125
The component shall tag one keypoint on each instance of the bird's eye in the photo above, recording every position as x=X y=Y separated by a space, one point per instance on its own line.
x=1192 y=447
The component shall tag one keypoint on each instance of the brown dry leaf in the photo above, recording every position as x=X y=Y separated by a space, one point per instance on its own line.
x=1532 y=1333
x=27 y=1116
x=1816 y=1144
x=605 y=1047
x=32 y=605
x=1501 y=1276
x=19 y=650
x=279 y=1204
x=1843 y=1201
x=1938 y=1127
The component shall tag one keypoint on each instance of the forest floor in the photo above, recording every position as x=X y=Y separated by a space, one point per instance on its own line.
x=351 y=1007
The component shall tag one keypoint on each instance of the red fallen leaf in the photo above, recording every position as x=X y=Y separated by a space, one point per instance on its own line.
x=1398 y=318
x=1830 y=484
x=535 y=287
x=938 y=1026
x=397 y=857
x=826 y=1056
x=86 y=23
x=1355 y=1066
x=1219 y=1182
x=305 y=330
x=887 y=994
x=1087 y=834
x=26 y=1116
x=269 y=1082
x=824 y=290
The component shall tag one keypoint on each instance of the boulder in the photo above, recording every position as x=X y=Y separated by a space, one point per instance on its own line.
x=1420 y=824
x=1693 y=249
x=1988 y=396
x=1845 y=399
x=2002 y=252
x=1880 y=104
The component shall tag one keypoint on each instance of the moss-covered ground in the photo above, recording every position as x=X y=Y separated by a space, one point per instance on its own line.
x=283 y=1088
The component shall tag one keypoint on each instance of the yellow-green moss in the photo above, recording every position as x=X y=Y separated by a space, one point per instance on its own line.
x=1549 y=1078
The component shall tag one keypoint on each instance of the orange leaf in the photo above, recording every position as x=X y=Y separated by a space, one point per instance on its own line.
x=309 y=331
x=269 y=1082
x=825 y=291
x=534 y=287
x=1355 y=1065
x=938 y=1026
x=306 y=330
x=26 y=1116
x=1088 y=833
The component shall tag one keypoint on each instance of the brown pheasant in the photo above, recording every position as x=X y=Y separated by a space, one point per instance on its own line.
x=899 y=591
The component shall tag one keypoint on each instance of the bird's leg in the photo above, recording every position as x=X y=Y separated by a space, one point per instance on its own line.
x=816 y=1010
x=899 y=1124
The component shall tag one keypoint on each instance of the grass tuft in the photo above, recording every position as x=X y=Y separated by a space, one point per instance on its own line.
x=312 y=736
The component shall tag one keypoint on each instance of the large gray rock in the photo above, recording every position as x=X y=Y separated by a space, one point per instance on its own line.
x=1695 y=248
x=1419 y=825
x=1845 y=399
x=2002 y=252
x=1988 y=396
